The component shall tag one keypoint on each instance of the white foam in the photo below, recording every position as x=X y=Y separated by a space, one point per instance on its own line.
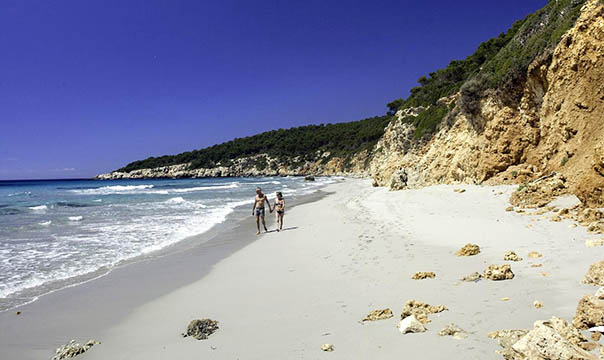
x=175 y=200
x=45 y=223
x=203 y=188
x=75 y=218
x=114 y=189
x=39 y=208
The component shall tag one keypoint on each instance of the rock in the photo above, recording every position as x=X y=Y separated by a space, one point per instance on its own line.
x=600 y=293
x=511 y=256
x=590 y=313
x=536 y=265
x=421 y=310
x=423 y=275
x=498 y=272
x=556 y=218
x=453 y=330
x=552 y=339
x=594 y=242
x=509 y=208
x=309 y=178
x=537 y=304
x=18 y=313
x=475 y=276
x=327 y=347
x=468 y=250
x=460 y=191
x=410 y=324
x=398 y=181
x=380 y=314
x=596 y=336
x=505 y=299
x=72 y=349
x=595 y=274
x=375 y=183
x=201 y=329
x=534 y=254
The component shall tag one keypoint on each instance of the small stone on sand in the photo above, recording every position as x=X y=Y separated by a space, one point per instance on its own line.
x=509 y=208
x=453 y=330
x=410 y=324
x=201 y=329
x=498 y=272
x=505 y=299
x=511 y=256
x=423 y=275
x=534 y=254
x=380 y=314
x=475 y=276
x=421 y=310
x=73 y=349
x=537 y=304
x=327 y=347
x=459 y=190
x=468 y=250
x=536 y=265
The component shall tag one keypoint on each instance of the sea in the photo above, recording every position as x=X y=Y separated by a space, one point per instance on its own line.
x=58 y=233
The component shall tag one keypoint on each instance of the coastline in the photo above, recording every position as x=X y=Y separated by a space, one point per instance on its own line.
x=49 y=321
x=350 y=252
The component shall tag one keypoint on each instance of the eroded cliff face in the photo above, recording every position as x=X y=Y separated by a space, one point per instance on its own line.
x=558 y=126
x=258 y=165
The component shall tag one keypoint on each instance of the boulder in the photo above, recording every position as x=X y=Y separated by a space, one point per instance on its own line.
x=309 y=178
x=72 y=349
x=590 y=313
x=511 y=256
x=498 y=272
x=551 y=339
x=468 y=250
x=380 y=314
x=398 y=181
x=201 y=329
x=411 y=324
x=423 y=275
x=595 y=274
x=421 y=310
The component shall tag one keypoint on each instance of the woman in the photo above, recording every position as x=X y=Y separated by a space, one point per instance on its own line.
x=280 y=209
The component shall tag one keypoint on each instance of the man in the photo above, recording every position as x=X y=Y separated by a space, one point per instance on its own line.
x=258 y=209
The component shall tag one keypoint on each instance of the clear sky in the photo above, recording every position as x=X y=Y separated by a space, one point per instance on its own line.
x=88 y=86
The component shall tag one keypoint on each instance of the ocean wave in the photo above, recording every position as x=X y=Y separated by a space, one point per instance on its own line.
x=45 y=223
x=114 y=189
x=21 y=193
x=202 y=188
x=10 y=211
x=75 y=218
x=175 y=200
x=39 y=208
x=71 y=204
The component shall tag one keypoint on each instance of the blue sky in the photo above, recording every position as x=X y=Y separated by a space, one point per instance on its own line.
x=88 y=86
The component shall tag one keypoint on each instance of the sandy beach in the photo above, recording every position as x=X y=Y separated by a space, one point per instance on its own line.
x=284 y=295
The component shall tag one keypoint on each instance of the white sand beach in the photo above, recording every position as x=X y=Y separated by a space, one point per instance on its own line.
x=284 y=295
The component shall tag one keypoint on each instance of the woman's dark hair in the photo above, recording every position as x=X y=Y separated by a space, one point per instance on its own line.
x=279 y=194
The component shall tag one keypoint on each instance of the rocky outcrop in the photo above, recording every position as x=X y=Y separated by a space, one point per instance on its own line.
x=555 y=127
x=590 y=313
x=550 y=339
x=468 y=250
x=258 y=165
x=595 y=274
x=380 y=314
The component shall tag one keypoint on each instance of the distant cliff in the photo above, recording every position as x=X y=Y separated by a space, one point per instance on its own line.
x=524 y=105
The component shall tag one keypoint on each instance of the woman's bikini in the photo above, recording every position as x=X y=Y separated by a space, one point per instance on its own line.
x=280 y=204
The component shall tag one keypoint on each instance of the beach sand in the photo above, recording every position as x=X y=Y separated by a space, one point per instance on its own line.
x=283 y=295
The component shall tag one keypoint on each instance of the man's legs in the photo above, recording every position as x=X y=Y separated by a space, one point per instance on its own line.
x=258 y=224
x=263 y=224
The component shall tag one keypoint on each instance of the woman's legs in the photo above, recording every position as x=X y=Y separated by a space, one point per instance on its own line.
x=280 y=222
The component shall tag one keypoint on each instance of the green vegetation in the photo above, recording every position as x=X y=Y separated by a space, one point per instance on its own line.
x=343 y=139
x=499 y=64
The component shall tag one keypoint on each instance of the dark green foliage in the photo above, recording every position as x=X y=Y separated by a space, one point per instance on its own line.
x=393 y=106
x=427 y=121
x=339 y=139
x=499 y=63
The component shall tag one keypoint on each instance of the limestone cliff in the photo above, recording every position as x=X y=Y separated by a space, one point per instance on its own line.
x=557 y=126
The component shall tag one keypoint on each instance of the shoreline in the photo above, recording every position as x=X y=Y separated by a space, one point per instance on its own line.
x=65 y=308
x=351 y=251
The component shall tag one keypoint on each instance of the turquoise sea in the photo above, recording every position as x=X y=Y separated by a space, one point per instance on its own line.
x=56 y=233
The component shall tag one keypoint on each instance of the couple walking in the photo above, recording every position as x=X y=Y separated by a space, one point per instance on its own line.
x=258 y=209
